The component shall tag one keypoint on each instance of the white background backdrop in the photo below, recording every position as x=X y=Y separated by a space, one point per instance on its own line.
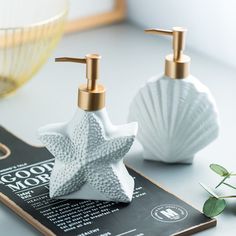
x=211 y=23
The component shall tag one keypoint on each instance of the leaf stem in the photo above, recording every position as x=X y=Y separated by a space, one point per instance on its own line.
x=223 y=180
x=209 y=190
x=230 y=196
x=229 y=185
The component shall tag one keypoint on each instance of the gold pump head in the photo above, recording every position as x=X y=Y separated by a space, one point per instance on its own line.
x=91 y=96
x=177 y=65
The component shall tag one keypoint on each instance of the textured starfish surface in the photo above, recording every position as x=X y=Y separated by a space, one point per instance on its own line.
x=87 y=156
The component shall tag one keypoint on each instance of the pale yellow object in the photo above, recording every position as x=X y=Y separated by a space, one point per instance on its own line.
x=116 y=15
x=25 y=48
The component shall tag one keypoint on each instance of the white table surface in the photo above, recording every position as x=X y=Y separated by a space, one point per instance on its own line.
x=129 y=58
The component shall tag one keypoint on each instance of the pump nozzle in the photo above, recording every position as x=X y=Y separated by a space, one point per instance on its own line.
x=91 y=96
x=71 y=59
x=178 y=34
x=92 y=67
x=177 y=65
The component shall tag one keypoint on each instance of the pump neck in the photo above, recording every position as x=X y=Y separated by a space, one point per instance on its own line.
x=177 y=65
x=91 y=96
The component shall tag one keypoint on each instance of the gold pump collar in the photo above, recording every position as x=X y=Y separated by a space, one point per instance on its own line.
x=91 y=96
x=177 y=65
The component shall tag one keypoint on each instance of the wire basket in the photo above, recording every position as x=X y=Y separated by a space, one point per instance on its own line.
x=29 y=31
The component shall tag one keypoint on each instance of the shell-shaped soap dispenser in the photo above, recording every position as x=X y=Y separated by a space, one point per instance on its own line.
x=89 y=149
x=176 y=113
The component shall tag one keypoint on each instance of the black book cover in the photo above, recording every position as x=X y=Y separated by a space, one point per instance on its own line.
x=24 y=176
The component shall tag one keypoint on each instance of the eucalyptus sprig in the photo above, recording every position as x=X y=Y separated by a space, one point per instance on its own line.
x=216 y=204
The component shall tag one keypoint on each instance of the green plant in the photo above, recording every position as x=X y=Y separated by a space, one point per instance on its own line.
x=216 y=204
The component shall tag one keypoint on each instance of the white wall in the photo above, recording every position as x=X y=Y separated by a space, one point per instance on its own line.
x=82 y=8
x=211 y=23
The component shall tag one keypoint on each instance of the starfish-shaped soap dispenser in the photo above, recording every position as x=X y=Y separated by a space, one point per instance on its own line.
x=89 y=149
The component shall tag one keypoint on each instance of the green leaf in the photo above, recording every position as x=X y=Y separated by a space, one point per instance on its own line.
x=214 y=206
x=209 y=190
x=220 y=170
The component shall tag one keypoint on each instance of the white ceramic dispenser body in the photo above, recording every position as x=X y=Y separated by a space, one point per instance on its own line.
x=177 y=114
x=89 y=149
x=89 y=153
x=176 y=117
